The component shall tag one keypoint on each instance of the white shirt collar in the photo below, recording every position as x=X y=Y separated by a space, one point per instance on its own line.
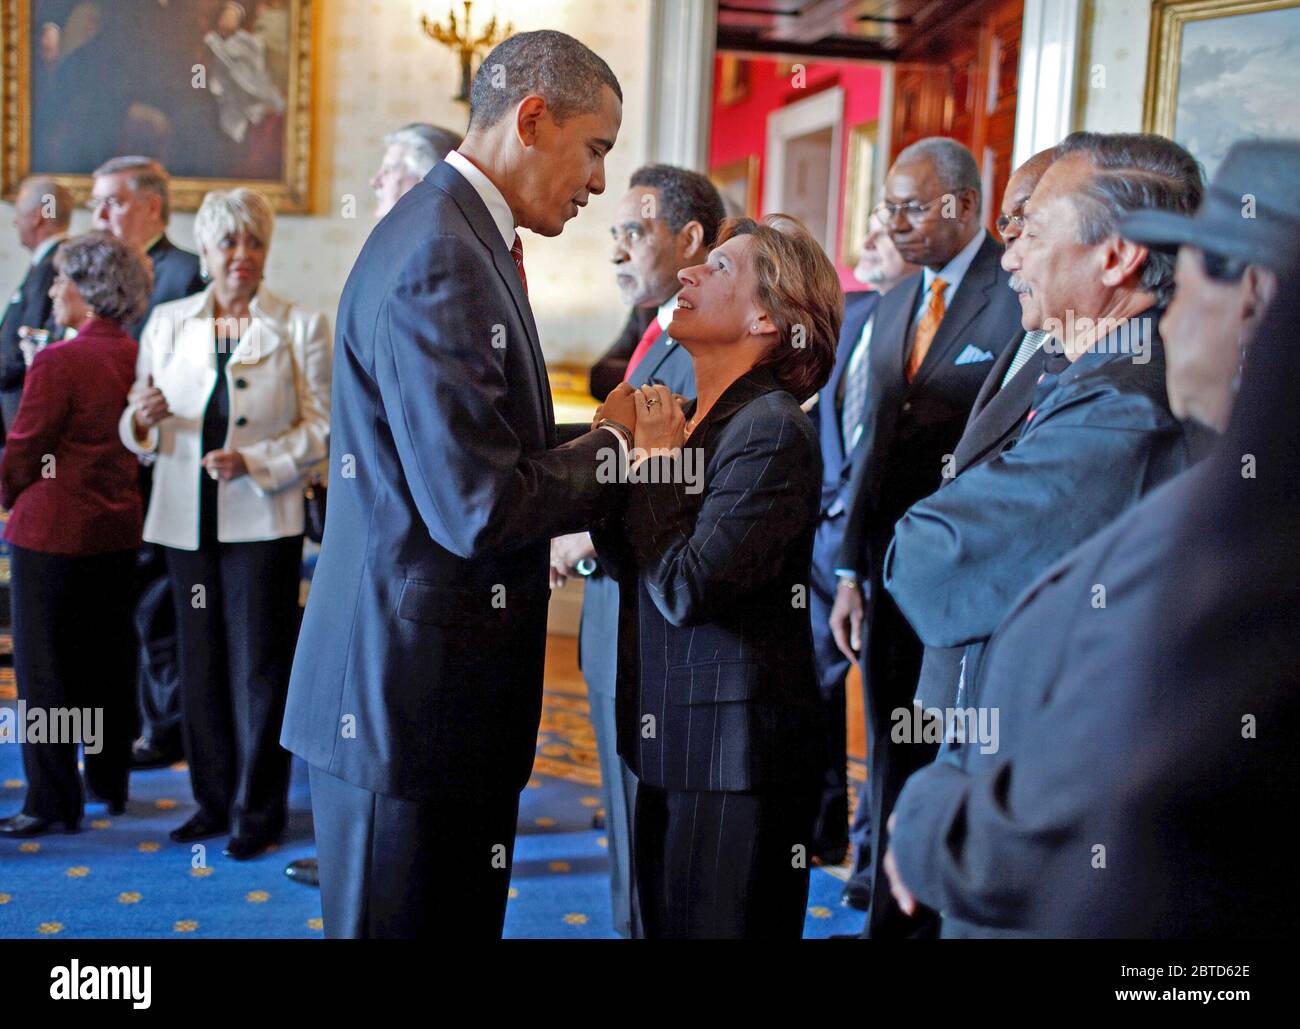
x=666 y=309
x=502 y=216
x=46 y=245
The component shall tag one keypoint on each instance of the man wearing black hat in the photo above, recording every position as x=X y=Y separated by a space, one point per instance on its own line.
x=1090 y=817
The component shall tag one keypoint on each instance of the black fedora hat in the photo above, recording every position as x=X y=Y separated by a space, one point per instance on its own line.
x=1251 y=210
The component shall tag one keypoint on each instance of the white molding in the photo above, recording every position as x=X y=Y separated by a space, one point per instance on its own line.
x=820 y=111
x=1049 y=63
x=682 y=42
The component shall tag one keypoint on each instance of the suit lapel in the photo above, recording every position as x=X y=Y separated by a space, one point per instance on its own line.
x=655 y=356
x=1001 y=413
x=471 y=205
x=972 y=297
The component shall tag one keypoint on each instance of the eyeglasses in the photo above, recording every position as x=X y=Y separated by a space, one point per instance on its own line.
x=911 y=211
x=111 y=202
x=1006 y=221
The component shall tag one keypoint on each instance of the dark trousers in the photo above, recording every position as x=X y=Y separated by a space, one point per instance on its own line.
x=831 y=832
x=237 y=635
x=618 y=790
x=402 y=869
x=73 y=648
x=722 y=865
x=891 y=669
x=158 y=686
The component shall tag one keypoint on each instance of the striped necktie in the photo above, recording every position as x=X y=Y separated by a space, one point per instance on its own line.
x=855 y=388
x=1029 y=346
x=517 y=252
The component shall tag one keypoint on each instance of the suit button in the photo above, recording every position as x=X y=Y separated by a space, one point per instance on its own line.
x=241 y=384
x=907 y=406
x=241 y=420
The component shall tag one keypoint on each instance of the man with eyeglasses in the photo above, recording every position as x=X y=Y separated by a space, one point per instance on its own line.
x=936 y=336
x=131 y=198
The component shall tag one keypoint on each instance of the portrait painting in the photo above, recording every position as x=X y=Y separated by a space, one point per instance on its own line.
x=219 y=91
x=1223 y=70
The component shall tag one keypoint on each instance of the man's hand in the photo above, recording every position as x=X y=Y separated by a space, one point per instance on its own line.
x=619 y=406
x=566 y=552
x=225 y=464
x=846 y=618
x=896 y=885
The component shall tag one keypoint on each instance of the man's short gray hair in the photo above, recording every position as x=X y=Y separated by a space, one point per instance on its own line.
x=565 y=73
x=147 y=176
x=954 y=165
x=1134 y=171
x=224 y=213
x=425 y=146
x=113 y=278
x=34 y=191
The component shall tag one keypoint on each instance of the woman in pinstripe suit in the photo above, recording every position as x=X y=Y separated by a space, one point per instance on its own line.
x=717 y=697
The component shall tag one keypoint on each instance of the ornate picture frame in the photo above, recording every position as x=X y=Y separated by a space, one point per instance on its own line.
x=1209 y=79
x=860 y=189
x=222 y=93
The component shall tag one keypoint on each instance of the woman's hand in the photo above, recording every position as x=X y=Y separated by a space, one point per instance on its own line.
x=150 y=406
x=660 y=423
x=225 y=464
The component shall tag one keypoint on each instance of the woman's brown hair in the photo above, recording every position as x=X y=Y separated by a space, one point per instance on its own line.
x=800 y=291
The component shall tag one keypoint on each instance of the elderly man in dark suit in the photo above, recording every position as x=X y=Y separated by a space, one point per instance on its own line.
x=42 y=212
x=838 y=414
x=1003 y=839
x=665 y=222
x=1100 y=433
x=417 y=684
x=936 y=335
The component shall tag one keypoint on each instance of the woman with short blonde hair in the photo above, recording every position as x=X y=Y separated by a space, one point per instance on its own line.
x=231 y=405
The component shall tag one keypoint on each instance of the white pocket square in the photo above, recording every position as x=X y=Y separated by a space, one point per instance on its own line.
x=973 y=355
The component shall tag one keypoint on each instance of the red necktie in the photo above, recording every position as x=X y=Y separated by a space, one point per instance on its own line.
x=642 y=348
x=517 y=252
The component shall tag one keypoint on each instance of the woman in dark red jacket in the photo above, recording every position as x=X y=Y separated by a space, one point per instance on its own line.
x=74 y=527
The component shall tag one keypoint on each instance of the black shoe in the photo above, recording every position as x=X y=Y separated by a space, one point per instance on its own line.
x=21 y=827
x=598 y=819
x=145 y=755
x=304 y=870
x=245 y=846
x=201 y=827
x=117 y=807
x=856 y=895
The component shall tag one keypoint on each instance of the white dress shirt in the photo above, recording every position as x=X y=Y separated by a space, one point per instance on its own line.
x=502 y=217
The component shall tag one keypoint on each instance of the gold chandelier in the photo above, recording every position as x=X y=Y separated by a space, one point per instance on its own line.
x=460 y=38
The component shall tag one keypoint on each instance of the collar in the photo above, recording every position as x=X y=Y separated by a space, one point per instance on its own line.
x=46 y=245
x=955 y=270
x=148 y=248
x=1116 y=345
x=502 y=217
x=665 y=313
x=754 y=383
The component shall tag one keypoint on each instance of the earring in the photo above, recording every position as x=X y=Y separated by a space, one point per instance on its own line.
x=754 y=329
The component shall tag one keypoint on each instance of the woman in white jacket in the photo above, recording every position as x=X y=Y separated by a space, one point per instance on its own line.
x=231 y=405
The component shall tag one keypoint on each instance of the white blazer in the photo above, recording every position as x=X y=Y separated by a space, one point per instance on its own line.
x=278 y=378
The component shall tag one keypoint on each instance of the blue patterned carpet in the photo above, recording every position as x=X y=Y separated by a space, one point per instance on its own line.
x=122 y=877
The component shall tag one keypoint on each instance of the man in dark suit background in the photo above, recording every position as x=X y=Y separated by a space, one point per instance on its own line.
x=838 y=414
x=42 y=213
x=1100 y=434
x=936 y=335
x=417 y=682
x=131 y=198
x=665 y=222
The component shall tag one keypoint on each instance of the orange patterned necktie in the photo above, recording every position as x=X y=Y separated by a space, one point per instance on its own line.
x=928 y=326
x=517 y=252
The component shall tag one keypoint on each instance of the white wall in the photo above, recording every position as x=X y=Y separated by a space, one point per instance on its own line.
x=1113 y=65
x=375 y=71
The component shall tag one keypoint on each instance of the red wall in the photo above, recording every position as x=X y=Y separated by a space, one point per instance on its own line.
x=740 y=129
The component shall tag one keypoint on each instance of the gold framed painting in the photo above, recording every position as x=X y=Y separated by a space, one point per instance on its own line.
x=1217 y=72
x=859 y=190
x=737 y=183
x=220 y=92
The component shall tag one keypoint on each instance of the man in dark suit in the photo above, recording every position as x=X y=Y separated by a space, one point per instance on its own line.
x=1100 y=433
x=1089 y=817
x=936 y=335
x=996 y=418
x=664 y=223
x=42 y=211
x=838 y=414
x=131 y=198
x=417 y=683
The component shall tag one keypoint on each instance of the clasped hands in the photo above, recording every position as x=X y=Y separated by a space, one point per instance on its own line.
x=151 y=408
x=653 y=413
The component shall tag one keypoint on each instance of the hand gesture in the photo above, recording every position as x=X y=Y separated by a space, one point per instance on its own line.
x=150 y=405
x=660 y=423
x=225 y=464
x=619 y=406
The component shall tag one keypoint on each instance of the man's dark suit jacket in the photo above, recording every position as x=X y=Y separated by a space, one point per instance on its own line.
x=995 y=422
x=175 y=275
x=1099 y=440
x=31 y=306
x=418 y=671
x=716 y=685
x=668 y=363
x=610 y=370
x=837 y=458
